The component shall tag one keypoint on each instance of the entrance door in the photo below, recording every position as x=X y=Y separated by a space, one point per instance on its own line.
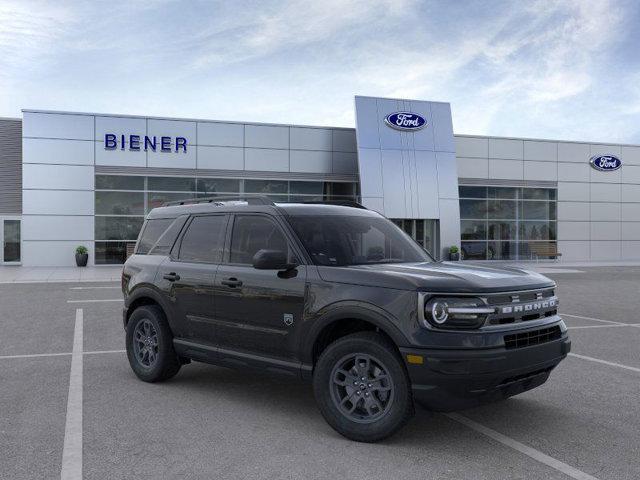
x=10 y=236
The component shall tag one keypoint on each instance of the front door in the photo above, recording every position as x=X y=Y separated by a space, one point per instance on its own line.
x=256 y=310
x=10 y=237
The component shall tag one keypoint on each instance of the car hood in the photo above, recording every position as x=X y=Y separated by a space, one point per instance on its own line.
x=451 y=277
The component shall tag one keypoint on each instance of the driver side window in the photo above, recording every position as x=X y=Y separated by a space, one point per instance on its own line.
x=252 y=233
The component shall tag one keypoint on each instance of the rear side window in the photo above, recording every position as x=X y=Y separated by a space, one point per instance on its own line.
x=253 y=233
x=152 y=231
x=168 y=238
x=204 y=239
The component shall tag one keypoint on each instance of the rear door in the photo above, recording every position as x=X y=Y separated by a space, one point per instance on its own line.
x=188 y=276
x=256 y=310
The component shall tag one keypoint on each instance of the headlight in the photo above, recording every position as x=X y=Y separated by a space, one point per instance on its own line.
x=454 y=312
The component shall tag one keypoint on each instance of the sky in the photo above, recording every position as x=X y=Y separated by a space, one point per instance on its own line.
x=565 y=69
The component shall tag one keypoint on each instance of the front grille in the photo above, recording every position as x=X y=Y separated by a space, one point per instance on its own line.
x=515 y=307
x=533 y=337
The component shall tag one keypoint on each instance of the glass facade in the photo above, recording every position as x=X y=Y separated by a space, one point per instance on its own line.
x=425 y=232
x=506 y=223
x=121 y=202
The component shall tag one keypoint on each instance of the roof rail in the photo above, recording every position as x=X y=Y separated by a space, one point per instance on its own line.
x=250 y=199
x=343 y=203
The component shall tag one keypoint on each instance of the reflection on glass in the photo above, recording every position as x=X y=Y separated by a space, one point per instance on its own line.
x=476 y=209
x=119 y=182
x=473 y=230
x=502 y=209
x=11 y=250
x=119 y=203
x=502 y=230
x=117 y=228
x=472 y=192
x=474 y=250
x=502 y=192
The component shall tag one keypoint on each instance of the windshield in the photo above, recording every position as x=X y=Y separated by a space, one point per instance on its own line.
x=340 y=240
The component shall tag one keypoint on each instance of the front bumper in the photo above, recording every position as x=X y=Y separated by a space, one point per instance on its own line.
x=450 y=379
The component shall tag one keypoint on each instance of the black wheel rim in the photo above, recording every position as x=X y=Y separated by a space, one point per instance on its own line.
x=145 y=343
x=361 y=388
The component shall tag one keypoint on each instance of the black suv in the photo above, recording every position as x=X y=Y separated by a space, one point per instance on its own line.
x=340 y=296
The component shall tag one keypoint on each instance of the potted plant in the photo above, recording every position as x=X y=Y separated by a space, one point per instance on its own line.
x=454 y=253
x=82 y=256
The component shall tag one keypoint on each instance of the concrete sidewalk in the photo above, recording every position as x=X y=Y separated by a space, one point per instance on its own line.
x=19 y=274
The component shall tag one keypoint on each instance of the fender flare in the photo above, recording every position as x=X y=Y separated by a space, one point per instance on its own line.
x=357 y=311
x=145 y=291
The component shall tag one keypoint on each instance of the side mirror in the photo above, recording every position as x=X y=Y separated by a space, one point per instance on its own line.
x=271 y=260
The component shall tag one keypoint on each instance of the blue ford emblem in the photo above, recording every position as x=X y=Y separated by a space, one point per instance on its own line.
x=605 y=163
x=405 y=121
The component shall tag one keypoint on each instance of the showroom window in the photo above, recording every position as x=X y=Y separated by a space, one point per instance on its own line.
x=506 y=223
x=122 y=201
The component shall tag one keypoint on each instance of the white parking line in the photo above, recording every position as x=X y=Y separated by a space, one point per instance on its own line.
x=72 y=450
x=522 y=448
x=96 y=301
x=605 y=362
x=62 y=354
x=562 y=314
x=117 y=287
x=100 y=352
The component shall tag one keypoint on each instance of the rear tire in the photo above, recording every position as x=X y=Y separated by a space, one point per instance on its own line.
x=362 y=387
x=150 y=345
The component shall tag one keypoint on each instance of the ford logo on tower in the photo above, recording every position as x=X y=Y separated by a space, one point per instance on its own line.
x=605 y=163
x=405 y=121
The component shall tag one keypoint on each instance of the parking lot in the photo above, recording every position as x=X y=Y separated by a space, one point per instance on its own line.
x=69 y=403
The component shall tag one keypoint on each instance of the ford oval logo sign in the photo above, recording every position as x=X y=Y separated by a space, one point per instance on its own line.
x=405 y=121
x=605 y=163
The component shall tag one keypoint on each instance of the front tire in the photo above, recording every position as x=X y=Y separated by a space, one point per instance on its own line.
x=150 y=345
x=362 y=387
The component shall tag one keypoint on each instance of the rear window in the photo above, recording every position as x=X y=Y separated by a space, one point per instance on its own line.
x=158 y=235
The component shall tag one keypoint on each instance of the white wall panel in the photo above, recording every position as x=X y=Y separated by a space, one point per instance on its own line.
x=576 y=192
x=58 y=227
x=266 y=136
x=370 y=172
x=573 y=230
x=602 y=212
x=473 y=167
x=310 y=161
x=630 y=193
x=55 y=125
x=173 y=159
x=574 y=250
x=118 y=157
x=472 y=147
x=449 y=223
x=574 y=172
x=266 y=160
x=506 y=169
x=427 y=176
x=605 y=192
x=605 y=230
x=630 y=250
x=65 y=177
x=311 y=138
x=57 y=202
x=344 y=141
x=173 y=128
x=393 y=184
x=630 y=155
x=74 y=152
x=220 y=134
x=220 y=158
x=344 y=162
x=540 y=171
x=630 y=231
x=630 y=212
x=390 y=138
x=573 y=152
x=597 y=176
x=52 y=253
x=442 y=128
x=506 y=149
x=545 y=151
x=606 y=150
x=575 y=211
x=605 y=250
x=120 y=126
x=367 y=122
x=374 y=203
x=447 y=175
x=630 y=174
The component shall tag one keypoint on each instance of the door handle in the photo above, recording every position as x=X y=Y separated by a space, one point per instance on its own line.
x=232 y=282
x=172 y=277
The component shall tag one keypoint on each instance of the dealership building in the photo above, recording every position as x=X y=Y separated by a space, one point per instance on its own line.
x=69 y=179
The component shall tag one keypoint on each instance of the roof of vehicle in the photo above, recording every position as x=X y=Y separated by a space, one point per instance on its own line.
x=216 y=205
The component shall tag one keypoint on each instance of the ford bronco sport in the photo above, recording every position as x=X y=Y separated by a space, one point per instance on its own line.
x=339 y=296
